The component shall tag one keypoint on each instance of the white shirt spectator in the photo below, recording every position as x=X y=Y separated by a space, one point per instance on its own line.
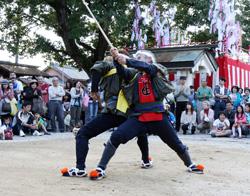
x=56 y=93
x=18 y=86
x=188 y=118
x=207 y=118
x=221 y=124
x=222 y=90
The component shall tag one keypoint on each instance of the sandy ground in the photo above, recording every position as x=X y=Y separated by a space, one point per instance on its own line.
x=30 y=166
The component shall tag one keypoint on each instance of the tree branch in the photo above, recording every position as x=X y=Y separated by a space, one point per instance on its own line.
x=86 y=46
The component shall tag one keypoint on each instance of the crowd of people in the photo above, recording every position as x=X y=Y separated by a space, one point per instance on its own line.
x=220 y=112
x=37 y=108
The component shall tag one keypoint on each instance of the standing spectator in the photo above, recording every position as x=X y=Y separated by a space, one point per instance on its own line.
x=67 y=88
x=188 y=119
x=75 y=104
x=6 y=95
x=221 y=97
x=246 y=97
x=56 y=94
x=241 y=91
x=6 y=91
x=235 y=96
x=25 y=121
x=92 y=105
x=33 y=95
x=230 y=113
x=18 y=88
x=240 y=120
x=192 y=97
x=207 y=118
x=204 y=93
x=44 y=87
x=181 y=93
x=85 y=103
x=221 y=126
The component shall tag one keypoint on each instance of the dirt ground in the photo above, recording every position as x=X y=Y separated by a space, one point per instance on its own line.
x=30 y=166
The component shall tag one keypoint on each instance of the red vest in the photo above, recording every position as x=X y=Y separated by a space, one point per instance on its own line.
x=146 y=95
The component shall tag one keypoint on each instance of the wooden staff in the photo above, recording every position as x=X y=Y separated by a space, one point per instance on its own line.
x=99 y=26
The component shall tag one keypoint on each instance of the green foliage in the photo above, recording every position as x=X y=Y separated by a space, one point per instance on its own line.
x=82 y=43
x=244 y=19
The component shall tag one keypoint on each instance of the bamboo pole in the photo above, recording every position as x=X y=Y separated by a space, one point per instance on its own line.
x=99 y=26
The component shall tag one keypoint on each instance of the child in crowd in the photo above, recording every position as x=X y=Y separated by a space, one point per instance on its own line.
x=240 y=119
x=246 y=127
x=6 y=128
x=188 y=119
x=221 y=126
x=235 y=96
x=170 y=115
x=66 y=104
x=24 y=121
x=246 y=97
x=41 y=124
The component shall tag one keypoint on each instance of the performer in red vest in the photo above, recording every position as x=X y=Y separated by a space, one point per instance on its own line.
x=146 y=113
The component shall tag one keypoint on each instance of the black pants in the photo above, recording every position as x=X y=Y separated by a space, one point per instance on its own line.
x=185 y=128
x=97 y=126
x=19 y=126
x=133 y=127
x=218 y=107
x=180 y=107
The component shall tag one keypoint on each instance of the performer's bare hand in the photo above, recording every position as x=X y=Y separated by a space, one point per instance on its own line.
x=94 y=96
x=121 y=59
x=114 y=52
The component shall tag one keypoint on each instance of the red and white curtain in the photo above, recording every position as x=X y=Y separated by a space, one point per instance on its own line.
x=234 y=71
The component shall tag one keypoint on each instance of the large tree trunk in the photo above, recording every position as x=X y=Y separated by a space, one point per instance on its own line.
x=71 y=47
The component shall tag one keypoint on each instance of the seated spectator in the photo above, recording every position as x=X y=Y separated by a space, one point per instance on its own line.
x=235 y=96
x=246 y=127
x=230 y=113
x=221 y=126
x=188 y=119
x=246 y=97
x=239 y=121
x=6 y=132
x=207 y=118
x=41 y=124
x=25 y=122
